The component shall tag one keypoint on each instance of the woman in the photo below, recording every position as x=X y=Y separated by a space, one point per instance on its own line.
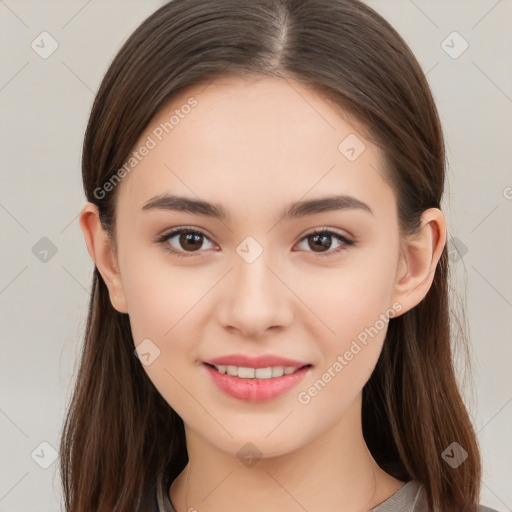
x=268 y=325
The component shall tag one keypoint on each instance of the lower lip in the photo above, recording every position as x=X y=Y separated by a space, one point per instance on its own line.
x=256 y=390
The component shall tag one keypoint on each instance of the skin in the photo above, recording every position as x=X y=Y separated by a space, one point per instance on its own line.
x=255 y=146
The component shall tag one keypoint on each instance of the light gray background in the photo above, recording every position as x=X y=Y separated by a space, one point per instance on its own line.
x=45 y=105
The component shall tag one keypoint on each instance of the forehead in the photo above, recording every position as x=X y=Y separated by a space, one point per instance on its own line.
x=252 y=142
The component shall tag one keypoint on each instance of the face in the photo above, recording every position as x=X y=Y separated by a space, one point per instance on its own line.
x=253 y=282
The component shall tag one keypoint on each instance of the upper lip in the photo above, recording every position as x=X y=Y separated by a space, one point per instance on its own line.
x=262 y=361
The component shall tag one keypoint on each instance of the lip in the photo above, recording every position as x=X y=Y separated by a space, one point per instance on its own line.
x=263 y=361
x=256 y=390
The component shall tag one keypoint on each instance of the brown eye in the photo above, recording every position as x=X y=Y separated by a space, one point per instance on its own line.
x=321 y=241
x=186 y=241
x=190 y=241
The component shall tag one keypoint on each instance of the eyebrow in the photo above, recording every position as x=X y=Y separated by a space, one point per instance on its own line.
x=294 y=210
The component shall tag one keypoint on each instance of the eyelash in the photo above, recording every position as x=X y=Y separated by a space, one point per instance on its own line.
x=165 y=238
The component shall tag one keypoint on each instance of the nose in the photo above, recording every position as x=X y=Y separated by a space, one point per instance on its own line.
x=254 y=299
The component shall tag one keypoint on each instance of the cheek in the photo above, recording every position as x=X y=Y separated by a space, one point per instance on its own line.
x=349 y=297
x=350 y=352
x=161 y=298
x=350 y=340
x=353 y=302
x=162 y=305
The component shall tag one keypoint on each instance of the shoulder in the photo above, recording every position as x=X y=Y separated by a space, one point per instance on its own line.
x=412 y=497
x=420 y=504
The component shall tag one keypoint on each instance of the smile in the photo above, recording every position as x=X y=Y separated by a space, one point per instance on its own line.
x=256 y=384
x=256 y=373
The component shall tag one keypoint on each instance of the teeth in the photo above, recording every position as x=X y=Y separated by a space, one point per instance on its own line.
x=255 y=373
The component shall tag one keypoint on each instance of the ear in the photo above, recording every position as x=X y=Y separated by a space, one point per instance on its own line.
x=418 y=260
x=103 y=254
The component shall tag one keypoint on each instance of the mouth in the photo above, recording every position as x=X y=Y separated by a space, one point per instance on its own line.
x=244 y=372
x=256 y=384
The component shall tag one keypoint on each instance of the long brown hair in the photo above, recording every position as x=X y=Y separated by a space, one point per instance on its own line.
x=119 y=433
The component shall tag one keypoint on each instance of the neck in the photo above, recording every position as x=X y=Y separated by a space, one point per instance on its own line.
x=333 y=473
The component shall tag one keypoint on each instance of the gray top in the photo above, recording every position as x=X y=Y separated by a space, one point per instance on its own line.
x=409 y=498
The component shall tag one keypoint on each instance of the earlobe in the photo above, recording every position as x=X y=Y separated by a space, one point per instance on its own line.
x=419 y=258
x=103 y=254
